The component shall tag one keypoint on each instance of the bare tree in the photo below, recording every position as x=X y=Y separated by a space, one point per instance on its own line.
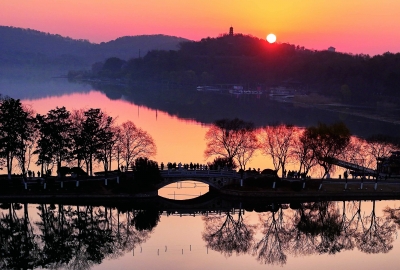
x=135 y=143
x=117 y=146
x=356 y=153
x=327 y=143
x=303 y=153
x=277 y=142
x=246 y=151
x=380 y=146
x=227 y=138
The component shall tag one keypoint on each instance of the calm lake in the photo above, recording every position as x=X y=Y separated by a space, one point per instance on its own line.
x=312 y=235
x=169 y=235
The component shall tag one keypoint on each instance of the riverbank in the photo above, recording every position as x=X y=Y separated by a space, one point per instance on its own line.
x=333 y=190
x=328 y=190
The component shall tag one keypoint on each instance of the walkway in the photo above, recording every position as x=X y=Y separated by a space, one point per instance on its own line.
x=214 y=178
x=357 y=169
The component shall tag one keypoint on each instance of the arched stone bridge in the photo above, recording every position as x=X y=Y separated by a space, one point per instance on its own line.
x=214 y=178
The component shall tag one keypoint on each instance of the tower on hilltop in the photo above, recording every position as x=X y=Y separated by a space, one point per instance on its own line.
x=231 y=31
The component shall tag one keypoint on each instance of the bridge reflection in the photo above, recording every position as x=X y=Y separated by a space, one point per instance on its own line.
x=183 y=190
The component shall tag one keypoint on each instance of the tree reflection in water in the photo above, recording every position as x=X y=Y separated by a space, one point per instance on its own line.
x=69 y=237
x=322 y=221
x=270 y=249
x=377 y=234
x=18 y=246
x=226 y=235
x=78 y=237
x=306 y=229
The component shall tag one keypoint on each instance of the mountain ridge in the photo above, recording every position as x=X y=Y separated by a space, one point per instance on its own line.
x=24 y=46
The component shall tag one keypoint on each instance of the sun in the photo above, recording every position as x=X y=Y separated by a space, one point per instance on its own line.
x=271 y=38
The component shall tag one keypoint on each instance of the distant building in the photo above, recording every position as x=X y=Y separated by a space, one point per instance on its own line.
x=331 y=49
x=231 y=31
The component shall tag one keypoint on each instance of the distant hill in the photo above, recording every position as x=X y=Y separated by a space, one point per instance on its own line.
x=131 y=46
x=254 y=63
x=27 y=47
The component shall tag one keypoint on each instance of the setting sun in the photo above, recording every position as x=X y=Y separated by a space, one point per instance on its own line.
x=271 y=38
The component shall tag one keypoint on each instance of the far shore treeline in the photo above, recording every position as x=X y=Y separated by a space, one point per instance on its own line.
x=83 y=137
x=252 y=62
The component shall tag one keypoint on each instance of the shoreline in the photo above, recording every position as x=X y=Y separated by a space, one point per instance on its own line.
x=230 y=194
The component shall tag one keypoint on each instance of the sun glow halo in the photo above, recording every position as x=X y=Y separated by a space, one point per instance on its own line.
x=271 y=38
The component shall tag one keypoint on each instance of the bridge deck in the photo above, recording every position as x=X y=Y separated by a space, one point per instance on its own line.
x=354 y=167
x=199 y=173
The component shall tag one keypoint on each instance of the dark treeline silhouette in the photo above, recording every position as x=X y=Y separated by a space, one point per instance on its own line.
x=74 y=139
x=246 y=60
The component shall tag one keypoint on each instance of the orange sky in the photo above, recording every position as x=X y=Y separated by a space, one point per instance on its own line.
x=356 y=26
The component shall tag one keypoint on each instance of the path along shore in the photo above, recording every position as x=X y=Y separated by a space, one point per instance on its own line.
x=332 y=189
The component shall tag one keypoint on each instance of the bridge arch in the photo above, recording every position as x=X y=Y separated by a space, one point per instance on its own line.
x=215 y=184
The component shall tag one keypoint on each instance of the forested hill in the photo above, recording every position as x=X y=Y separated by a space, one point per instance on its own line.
x=247 y=60
x=20 y=46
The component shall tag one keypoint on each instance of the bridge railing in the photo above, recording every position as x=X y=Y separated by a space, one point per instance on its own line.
x=199 y=173
x=352 y=166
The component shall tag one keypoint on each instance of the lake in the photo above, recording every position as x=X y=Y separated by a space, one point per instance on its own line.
x=307 y=235
x=178 y=137
x=169 y=235
x=177 y=140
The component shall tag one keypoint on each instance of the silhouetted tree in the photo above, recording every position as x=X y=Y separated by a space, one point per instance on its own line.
x=379 y=146
x=92 y=136
x=303 y=153
x=222 y=162
x=15 y=131
x=147 y=171
x=26 y=149
x=277 y=142
x=327 y=142
x=249 y=146
x=227 y=138
x=55 y=142
x=134 y=142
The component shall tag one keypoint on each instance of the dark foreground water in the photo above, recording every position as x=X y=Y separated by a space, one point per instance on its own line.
x=171 y=235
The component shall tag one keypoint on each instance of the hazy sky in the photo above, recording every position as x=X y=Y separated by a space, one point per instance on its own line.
x=356 y=26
